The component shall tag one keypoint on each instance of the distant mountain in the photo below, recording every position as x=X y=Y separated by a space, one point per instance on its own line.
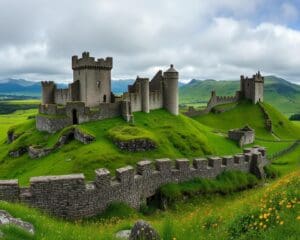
x=23 y=87
x=120 y=86
x=280 y=93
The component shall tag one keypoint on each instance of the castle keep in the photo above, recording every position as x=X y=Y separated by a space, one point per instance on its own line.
x=89 y=97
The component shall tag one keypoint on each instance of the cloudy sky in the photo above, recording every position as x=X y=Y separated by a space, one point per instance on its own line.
x=218 y=39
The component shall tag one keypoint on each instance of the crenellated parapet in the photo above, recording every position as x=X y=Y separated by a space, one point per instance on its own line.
x=89 y=62
x=69 y=196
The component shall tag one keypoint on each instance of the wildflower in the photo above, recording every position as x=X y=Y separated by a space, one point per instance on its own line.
x=281 y=222
x=298 y=218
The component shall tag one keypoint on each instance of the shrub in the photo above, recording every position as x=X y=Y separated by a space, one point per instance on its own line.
x=271 y=172
x=295 y=117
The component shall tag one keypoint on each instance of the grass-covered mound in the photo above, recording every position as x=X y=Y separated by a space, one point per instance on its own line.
x=176 y=137
x=225 y=183
x=128 y=133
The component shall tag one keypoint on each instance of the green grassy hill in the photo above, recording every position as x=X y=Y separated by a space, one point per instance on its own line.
x=175 y=136
x=283 y=95
x=234 y=216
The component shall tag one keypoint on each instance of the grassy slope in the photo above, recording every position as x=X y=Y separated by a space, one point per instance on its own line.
x=199 y=218
x=283 y=95
x=176 y=136
x=247 y=113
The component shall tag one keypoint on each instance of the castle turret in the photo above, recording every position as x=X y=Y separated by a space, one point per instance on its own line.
x=48 y=89
x=94 y=78
x=145 y=94
x=259 y=88
x=170 y=90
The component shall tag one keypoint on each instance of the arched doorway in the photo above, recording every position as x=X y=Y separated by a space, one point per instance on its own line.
x=104 y=98
x=74 y=116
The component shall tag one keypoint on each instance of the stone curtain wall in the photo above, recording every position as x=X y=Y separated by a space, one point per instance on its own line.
x=268 y=121
x=70 y=197
x=213 y=101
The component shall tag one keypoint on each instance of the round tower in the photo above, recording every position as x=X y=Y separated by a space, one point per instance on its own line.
x=170 y=90
x=48 y=89
x=145 y=95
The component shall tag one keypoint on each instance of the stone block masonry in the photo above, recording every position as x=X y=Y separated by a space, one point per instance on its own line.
x=70 y=197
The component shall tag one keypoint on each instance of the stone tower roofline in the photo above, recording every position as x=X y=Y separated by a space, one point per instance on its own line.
x=257 y=77
x=171 y=72
x=47 y=83
x=89 y=62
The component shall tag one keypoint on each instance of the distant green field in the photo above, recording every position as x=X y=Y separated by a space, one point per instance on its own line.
x=7 y=120
x=10 y=106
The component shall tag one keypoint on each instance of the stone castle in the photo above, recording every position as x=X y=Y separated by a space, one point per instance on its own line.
x=90 y=98
x=250 y=88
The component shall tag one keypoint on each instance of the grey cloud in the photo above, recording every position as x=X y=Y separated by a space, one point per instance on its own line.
x=38 y=38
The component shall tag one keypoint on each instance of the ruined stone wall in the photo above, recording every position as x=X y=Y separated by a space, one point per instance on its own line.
x=70 y=197
x=52 y=124
x=62 y=96
x=213 y=102
x=242 y=137
x=268 y=121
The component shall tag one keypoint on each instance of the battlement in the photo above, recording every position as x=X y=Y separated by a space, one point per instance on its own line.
x=48 y=83
x=257 y=77
x=89 y=62
x=69 y=196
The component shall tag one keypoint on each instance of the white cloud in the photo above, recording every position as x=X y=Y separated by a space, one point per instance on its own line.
x=204 y=39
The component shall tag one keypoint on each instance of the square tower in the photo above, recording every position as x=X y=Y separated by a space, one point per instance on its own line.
x=94 y=78
x=253 y=88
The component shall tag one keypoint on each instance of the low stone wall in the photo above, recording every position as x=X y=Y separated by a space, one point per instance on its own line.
x=70 y=197
x=268 y=121
x=136 y=145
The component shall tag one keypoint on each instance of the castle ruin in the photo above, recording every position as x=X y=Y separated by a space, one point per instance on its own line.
x=89 y=97
x=250 y=88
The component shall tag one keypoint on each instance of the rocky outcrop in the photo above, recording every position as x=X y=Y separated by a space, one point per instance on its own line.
x=12 y=136
x=136 y=145
x=17 y=153
x=83 y=137
x=6 y=218
x=143 y=231
x=37 y=152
